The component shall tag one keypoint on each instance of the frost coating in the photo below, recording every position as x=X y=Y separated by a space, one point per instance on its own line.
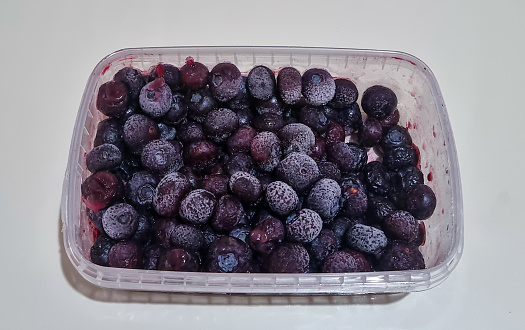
x=297 y=137
x=366 y=238
x=304 y=226
x=324 y=198
x=266 y=150
x=298 y=170
x=197 y=207
x=169 y=192
x=281 y=198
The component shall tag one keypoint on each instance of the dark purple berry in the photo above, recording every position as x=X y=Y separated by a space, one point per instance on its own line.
x=101 y=189
x=324 y=244
x=193 y=75
x=99 y=252
x=314 y=118
x=220 y=123
x=319 y=150
x=324 y=198
x=190 y=132
x=334 y=133
x=161 y=157
x=350 y=157
x=297 y=137
x=378 y=208
x=390 y=120
x=329 y=170
x=401 y=255
x=104 y=157
x=361 y=260
x=400 y=157
x=163 y=229
x=265 y=149
x=200 y=102
x=170 y=73
x=133 y=79
x=169 y=192
x=261 y=82
x=366 y=239
x=339 y=262
x=229 y=214
x=200 y=154
x=139 y=130
x=345 y=94
x=120 y=221
x=400 y=225
x=289 y=258
x=268 y=122
x=217 y=184
x=155 y=98
x=109 y=131
x=354 y=201
x=378 y=102
x=395 y=136
x=178 y=259
x=298 y=170
x=318 y=86
x=241 y=139
x=289 y=85
x=281 y=198
x=197 y=207
x=178 y=110
x=187 y=237
x=225 y=81
x=241 y=101
x=272 y=105
x=144 y=229
x=266 y=235
x=113 y=99
x=339 y=226
x=229 y=255
x=303 y=226
x=245 y=187
x=421 y=201
x=151 y=255
x=370 y=133
x=351 y=117
x=239 y=162
x=378 y=178
x=408 y=176
x=126 y=254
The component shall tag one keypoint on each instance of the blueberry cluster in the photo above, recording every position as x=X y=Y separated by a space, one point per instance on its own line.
x=212 y=170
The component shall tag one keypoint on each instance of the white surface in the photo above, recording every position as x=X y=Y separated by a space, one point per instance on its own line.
x=47 y=51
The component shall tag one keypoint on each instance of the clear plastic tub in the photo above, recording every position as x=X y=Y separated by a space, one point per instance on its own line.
x=422 y=111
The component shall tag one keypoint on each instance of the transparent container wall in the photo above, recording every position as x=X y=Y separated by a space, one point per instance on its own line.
x=422 y=111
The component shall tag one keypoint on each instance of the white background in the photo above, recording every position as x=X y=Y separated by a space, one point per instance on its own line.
x=48 y=49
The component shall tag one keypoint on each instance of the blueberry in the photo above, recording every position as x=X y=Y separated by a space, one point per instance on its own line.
x=339 y=262
x=229 y=255
x=268 y=122
x=155 y=98
x=95 y=218
x=225 y=81
x=163 y=229
x=240 y=140
x=289 y=258
x=408 y=176
x=329 y=170
x=241 y=232
x=193 y=75
x=366 y=239
x=319 y=150
x=200 y=154
x=339 y=226
x=261 y=82
x=334 y=133
x=217 y=184
x=197 y=207
x=298 y=170
x=315 y=118
x=362 y=261
x=395 y=136
x=303 y=226
x=378 y=178
x=138 y=131
x=104 y=157
x=297 y=137
x=378 y=101
x=99 y=252
x=245 y=187
x=178 y=110
x=289 y=85
x=265 y=149
x=400 y=157
x=266 y=235
x=190 y=131
x=200 y=102
x=170 y=73
x=101 y=189
x=239 y=162
x=109 y=131
x=421 y=201
x=370 y=133
x=151 y=255
x=229 y=214
x=324 y=244
x=400 y=225
x=345 y=94
x=177 y=259
x=378 y=208
x=126 y=254
x=241 y=101
x=273 y=105
x=351 y=117
x=113 y=99
x=401 y=255
x=133 y=79
x=144 y=228
x=390 y=120
x=354 y=201
x=350 y=157
x=161 y=157
x=187 y=237
x=220 y=124
x=281 y=198
x=324 y=198
x=120 y=221
x=171 y=189
x=318 y=86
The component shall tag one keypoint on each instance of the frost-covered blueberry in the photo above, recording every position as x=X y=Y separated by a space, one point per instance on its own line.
x=200 y=154
x=366 y=238
x=242 y=101
x=339 y=262
x=400 y=225
x=229 y=255
x=197 y=207
x=241 y=139
x=155 y=98
x=133 y=79
x=297 y=137
x=161 y=157
x=104 y=157
x=315 y=118
x=126 y=254
x=138 y=131
x=171 y=189
x=289 y=258
x=378 y=101
x=350 y=157
x=113 y=99
x=265 y=149
x=225 y=81
x=261 y=82
x=329 y=170
x=120 y=221
x=220 y=124
x=101 y=189
x=178 y=110
x=273 y=105
x=169 y=72
x=200 y=102
x=266 y=235
x=298 y=170
x=187 y=237
x=289 y=85
x=345 y=94
x=162 y=231
x=246 y=187
x=318 y=86
x=281 y=198
x=303 y=226
x=268 y=122
x=217 y=184
x=239 y=162
x=400 y=255
x=193 y=75
x=228 y=214
x=324 y=198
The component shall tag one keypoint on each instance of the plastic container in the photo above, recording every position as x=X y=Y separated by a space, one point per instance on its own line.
x=422 y=111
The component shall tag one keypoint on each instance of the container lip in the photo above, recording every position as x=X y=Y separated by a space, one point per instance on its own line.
x=429 y=277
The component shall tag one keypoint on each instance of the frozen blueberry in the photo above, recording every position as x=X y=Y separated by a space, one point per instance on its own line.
x=318 y=86
x=161 y=157
x=339 y=226
x=133 y=79
x=378 y=178
x=319 y=150
x=229 y=255
x=170 y=73
x=362 y=261
x=177 y=259
x=289 y=258
x=200 y=102
x=339 y=262
x=150 y=256
x=126 y=254
x=225 y=81
x=190 y=131
x=113 y=99
x=138 y=131
x=329 y=170
x=400 y=157
x=241 y=101
x=241 y=139
x=187 y=237
x=200 y=154
x=401 y=255
x=144 y=230
x=324 y=198
x=370 y=133
x=101 y=189
x=350 y=157
x=297 y=137
x=315 y=118
x=298 y=170
x=266 y=235
x=245 y=187
x=155 y=98
x=104 y=157
x=265 y=149
x=99 y=252
x=261 y=82
x=171 y=189
x=273 y=105
x=241 y=232
x=178 y=110
x=281 y=198
x=324 y=244
x=421 y=201
x=193 y=75
x=163 y=229
x=351 y=117
x=400 y=225
x=345 y=94
x=390 y=120
x=229 y=214
x=366 y=238
x=220 y=123
x=197 y=207
x=378 y=101
x=289 y=85
x=239 y=162
x=407 y=176
x=395 y=136
x=334 y=133
x=303 y=226
x=268 y=122
x=354 y=201
x=217 y=184
x=120 y=221
x=378 y=208
x=109 y=131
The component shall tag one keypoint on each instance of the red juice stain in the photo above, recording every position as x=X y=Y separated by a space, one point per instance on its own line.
x=433 y=131
x=413 y=94
x=106 y=69
x=402 y=59
x=409 y=125
x=418 y=165
x=156 y=84
x=160 y=70
x=442 y=211
x=424 y=146
x=430 y=177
